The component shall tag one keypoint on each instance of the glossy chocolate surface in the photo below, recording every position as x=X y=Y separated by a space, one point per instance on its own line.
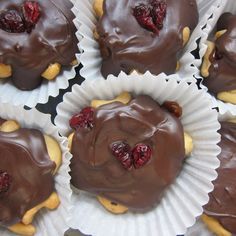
x=222 y=73
x=24 y=156
x=52 y=40
x=126 y=46
x=96 y=170
x=222 y=200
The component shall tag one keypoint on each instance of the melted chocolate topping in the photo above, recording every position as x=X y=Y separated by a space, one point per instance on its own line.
x=222 y=72
x=125 y=45
x=52 y=40
x=222 y=200
x=23 y=155
x=95 y=169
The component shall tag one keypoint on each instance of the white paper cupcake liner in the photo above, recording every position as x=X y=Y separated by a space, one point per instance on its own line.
x=200 y=228
x=9 y=93
x=47 y=222
x=219 y=8
x=90 y=53
x=184 y=199
x=205 y=9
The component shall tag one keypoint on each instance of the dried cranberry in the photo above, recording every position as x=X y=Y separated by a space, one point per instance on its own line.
x=122 y=151
x=14 y=21
x=142 y=14
x=173 y=107
x=83 y=120
x=5 y=181
x=31 y=13
x=11 y=21
x=151 y=16
x=141 y=155
x=158 y=12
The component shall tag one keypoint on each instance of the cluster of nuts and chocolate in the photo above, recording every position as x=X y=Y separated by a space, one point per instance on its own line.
x=37 y=38
x=116 y=143
x=153 y=25
x=28 y=162
x=219 y=65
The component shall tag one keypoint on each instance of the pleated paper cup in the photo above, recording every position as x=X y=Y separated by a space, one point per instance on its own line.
x=10 y=94
x=55 y=222
x=184 y=199
x=219 y=7
x=90 y=52
x=200 y=228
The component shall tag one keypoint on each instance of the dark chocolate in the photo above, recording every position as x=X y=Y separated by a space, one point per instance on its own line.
x=222 y=200
x=222 y=72
x=52 y=40
x=24 y=156
x=126 y=46
x=96 y=170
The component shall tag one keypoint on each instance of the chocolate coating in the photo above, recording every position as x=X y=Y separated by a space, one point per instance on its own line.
x=52 y=40
x=222 y=200
x=23 y=155
x=96 y=170
x=222 y=72
x=126 y=46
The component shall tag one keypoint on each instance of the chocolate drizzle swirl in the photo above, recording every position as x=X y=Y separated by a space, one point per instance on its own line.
x=222 y=72
x=52 y=40
x=222 y=200
x=126 y=46
x=96 y=170
x=23 y=154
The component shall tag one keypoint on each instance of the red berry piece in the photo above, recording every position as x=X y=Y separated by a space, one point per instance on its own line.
x=83 y=120
x=142 y=14
x=31 y=13
x=122 y=151
x=173 y=107
x=5 y=181
x=158 y=13
x=11 y=21
x=141 y=155
x=151 y=16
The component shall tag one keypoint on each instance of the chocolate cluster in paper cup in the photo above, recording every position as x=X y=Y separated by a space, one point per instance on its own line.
x=50 y=87
x=209 y=34
x=46 y=222
x=179 y=206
